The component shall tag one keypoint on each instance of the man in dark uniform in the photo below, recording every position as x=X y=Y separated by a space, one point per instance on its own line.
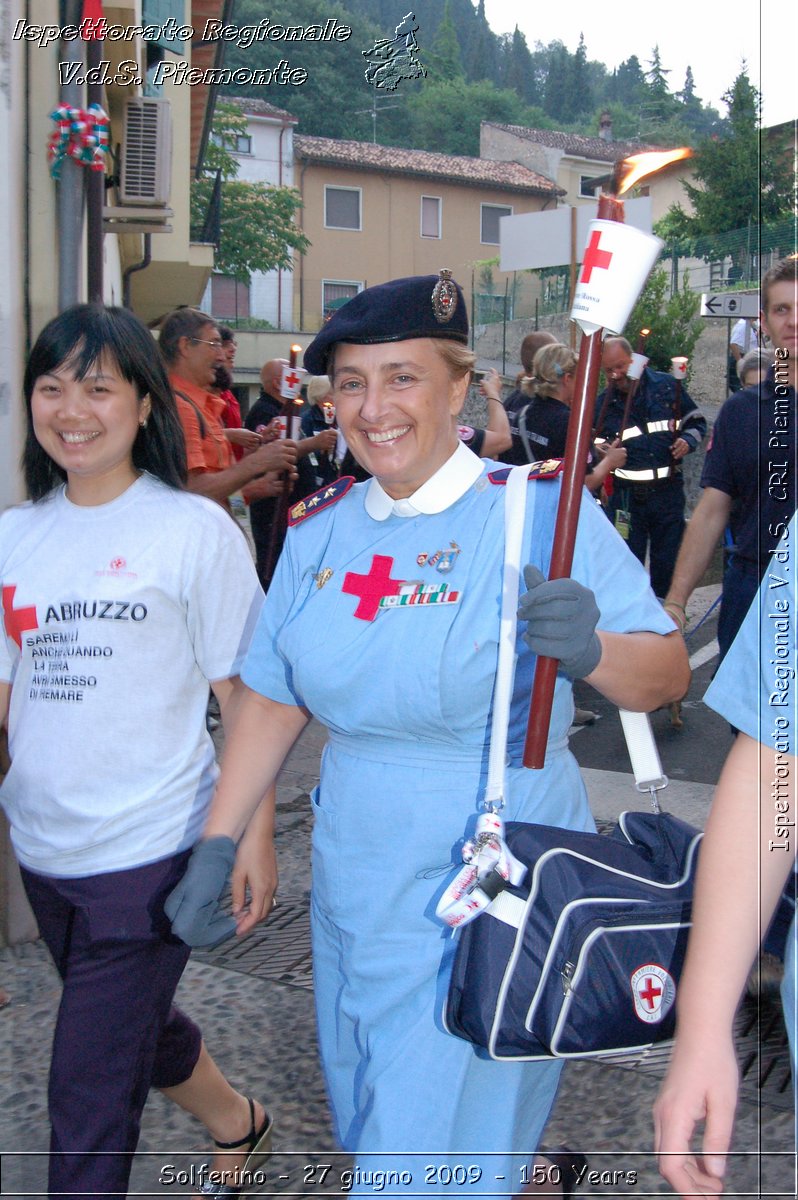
x=265 y=508
x=647 y=503
x=751 y=467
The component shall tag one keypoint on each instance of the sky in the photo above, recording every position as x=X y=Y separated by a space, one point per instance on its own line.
x=713 y=38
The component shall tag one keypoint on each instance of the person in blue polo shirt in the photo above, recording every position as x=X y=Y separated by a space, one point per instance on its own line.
x=750 y=840
x=749 y=473
x=395 y=584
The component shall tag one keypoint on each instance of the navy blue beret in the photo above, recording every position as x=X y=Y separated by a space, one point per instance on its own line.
x=420 y=306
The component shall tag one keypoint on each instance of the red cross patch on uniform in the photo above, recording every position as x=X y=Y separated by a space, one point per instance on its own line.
x=378 y=590
x=323 y=498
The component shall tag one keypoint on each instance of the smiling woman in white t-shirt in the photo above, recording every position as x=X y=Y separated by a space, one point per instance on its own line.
x=123 y=597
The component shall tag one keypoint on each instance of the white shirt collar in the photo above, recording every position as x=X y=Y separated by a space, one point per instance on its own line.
x=441 y=490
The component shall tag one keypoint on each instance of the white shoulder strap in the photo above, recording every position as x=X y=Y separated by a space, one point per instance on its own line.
x=519 y=503
x=517 y=498
x=643 y=752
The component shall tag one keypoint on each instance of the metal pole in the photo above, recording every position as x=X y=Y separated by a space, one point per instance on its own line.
x=95 y=191
x=69 y=203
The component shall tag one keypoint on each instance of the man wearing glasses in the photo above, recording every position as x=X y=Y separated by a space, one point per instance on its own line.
x=192 y=348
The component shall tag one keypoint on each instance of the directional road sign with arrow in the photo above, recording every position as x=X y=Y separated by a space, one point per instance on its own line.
x=729 y=304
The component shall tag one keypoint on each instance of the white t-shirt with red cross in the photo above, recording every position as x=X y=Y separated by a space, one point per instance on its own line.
x=115 y=617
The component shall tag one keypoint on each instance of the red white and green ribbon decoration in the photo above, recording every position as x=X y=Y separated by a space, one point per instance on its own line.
x=80 y=133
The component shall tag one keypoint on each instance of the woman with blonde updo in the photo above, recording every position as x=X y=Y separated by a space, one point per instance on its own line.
x=546 y=420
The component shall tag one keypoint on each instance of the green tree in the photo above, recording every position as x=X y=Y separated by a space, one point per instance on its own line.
x=446 y=116
x=578 y=91
x=257 y=230
x=687 y=94
x=655 y=76
x=625 y=121
x=628 y=84
x=444 y=58
x=482 y=55
x=658 y=107
x=674 y=322
x=737 y=177
x=700 y=119
x=335 y=69
x=556 y=99
x=518 y=71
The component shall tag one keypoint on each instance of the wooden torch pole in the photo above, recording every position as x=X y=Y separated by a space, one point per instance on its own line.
x=580 y=428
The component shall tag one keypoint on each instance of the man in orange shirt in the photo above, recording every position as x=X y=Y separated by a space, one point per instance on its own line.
x=192 y=348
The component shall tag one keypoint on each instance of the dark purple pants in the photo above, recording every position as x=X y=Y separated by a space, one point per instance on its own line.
x=117 y=1032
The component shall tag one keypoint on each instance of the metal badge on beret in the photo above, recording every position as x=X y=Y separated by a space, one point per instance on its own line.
x=444 y=297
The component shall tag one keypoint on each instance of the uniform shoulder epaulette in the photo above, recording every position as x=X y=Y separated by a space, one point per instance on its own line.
x=547 y=468
x=319 y=500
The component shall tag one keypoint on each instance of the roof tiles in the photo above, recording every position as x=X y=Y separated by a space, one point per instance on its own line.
x=455 y=168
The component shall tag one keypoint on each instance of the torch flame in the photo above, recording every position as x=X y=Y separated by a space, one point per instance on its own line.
x=638 y=166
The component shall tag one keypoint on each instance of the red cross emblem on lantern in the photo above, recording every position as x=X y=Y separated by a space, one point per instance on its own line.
x=594 y=257
x=17 y=620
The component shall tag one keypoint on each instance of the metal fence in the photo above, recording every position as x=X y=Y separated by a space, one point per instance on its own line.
x=738 y=258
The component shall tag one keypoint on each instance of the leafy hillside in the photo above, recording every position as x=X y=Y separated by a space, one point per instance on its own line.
x=473 y=75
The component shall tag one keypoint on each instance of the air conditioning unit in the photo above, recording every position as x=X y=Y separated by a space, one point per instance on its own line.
x=146 y=174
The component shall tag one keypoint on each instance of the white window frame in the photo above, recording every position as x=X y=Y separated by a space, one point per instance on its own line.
x=507 y=211
x=355 y=283
x=336 y=187
x=439 y=201
x=590 y=179
x=243 y=137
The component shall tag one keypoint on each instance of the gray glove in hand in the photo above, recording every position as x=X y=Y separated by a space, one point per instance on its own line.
x=193 y=905
x=561 y=618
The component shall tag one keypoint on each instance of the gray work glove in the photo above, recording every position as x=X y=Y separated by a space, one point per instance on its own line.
x=561 y=618
x=193 y=905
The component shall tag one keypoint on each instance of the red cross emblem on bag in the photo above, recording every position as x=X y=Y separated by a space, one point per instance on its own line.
x=653 y=992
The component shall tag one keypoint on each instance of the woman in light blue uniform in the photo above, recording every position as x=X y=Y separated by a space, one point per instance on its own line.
x=747 y=854
x=383 y=621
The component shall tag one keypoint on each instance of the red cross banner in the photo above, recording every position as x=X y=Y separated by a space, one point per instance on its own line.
x=615 y=265
x=291 y=381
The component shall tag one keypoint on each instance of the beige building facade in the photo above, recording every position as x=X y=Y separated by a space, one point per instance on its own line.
x=374 y=213
x=576 y=163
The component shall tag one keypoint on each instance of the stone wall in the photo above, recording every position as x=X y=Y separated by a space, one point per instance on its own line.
x=706 y=382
